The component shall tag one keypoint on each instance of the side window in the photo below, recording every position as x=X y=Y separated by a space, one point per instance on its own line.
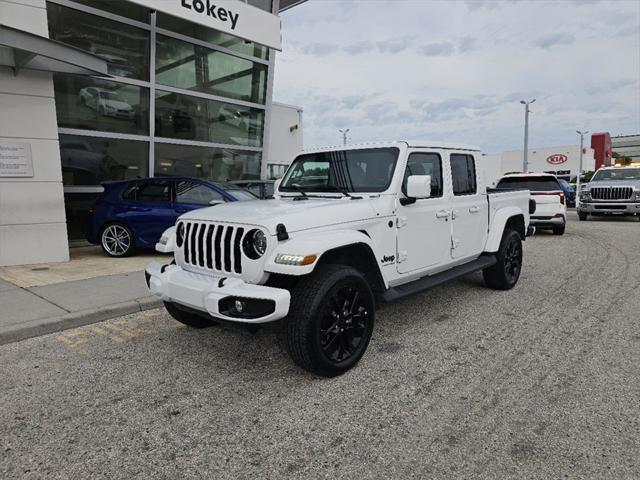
x=196 y=193
x=130 y=192
x=425 y=164
x=463 y=174
x=153 y=191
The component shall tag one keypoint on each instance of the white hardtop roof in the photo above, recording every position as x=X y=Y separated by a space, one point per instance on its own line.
x=410 y=143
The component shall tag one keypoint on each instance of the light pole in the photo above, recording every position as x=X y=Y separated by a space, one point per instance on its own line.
x=582 y=134
x=525 y=163
x=344 y=135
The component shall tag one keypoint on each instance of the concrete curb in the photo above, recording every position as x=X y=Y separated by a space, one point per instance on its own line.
x=43 y=326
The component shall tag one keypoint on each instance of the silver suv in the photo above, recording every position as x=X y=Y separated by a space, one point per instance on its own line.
x=611 y=191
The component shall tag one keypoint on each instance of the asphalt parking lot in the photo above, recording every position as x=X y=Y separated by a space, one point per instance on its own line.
x=461 y=382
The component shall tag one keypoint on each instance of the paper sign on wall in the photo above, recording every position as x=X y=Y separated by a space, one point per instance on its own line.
x=15 y=160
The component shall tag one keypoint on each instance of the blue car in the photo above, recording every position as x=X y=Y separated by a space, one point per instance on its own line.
x=132 y=214
x=569 y=192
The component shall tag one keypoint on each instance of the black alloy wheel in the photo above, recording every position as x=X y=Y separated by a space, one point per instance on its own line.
x=344 y=323
x=330 y=320
x=513 y=259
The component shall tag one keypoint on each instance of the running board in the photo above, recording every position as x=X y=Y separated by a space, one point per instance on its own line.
x=425 y=283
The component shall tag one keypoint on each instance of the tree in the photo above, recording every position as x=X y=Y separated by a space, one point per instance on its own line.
x=621 y=159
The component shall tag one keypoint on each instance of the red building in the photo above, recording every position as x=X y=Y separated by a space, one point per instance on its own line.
x=601 y=144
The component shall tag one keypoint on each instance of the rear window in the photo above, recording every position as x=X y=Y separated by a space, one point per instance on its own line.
x=535 y=184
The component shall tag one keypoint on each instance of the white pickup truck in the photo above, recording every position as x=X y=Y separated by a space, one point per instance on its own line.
x=348 y=226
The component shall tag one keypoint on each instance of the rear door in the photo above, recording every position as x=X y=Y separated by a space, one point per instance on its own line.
x=424 y=230
x=469 y=208
x=151 y=211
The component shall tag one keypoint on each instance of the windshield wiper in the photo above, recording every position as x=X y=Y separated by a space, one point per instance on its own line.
x=299 y=189
x=343 y=191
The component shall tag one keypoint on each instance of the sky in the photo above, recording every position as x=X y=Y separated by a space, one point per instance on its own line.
x=456 y=70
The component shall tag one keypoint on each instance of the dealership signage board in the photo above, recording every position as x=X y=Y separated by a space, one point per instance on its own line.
x=15 y=160
x=229 y=16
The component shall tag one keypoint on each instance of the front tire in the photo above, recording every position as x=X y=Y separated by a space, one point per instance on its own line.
x=559 y=229
x=117 y=240
x=190 y=319
x=582 y=216
x=505 y=273
x=330 y=320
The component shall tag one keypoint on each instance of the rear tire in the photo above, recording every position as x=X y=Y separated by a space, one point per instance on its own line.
x=190 y=319
x=117 y=240
x=559 y=229
x=505 y=273
x=330 y=320
x=582 y=216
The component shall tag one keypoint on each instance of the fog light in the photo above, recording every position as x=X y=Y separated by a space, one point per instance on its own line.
x=239 y=305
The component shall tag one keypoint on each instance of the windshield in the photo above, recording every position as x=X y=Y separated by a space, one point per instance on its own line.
x=110 y=96
x=242 y=195
x=366 y=170
x=535 y=184
x=617 y=174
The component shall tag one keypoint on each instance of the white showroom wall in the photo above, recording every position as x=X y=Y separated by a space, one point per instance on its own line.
x=32 y=218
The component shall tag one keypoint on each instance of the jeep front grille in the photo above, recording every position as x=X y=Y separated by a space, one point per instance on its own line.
x=611 y=193
x=213 y=247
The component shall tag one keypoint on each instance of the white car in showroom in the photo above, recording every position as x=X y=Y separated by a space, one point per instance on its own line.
x=106 y=102
x=551 y=208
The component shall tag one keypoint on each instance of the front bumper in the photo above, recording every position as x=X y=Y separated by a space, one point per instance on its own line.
x=212 y=294
x=609 y=207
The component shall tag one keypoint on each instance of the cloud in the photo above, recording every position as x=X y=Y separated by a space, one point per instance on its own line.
x=395 y=45
x=456 y=71
x=320 y=48
x=551 y=39
x=359 y=47
x=438 y=49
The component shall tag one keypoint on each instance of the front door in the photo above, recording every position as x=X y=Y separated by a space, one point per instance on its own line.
x=151 y=213
x=424 y=228
x=469 y=216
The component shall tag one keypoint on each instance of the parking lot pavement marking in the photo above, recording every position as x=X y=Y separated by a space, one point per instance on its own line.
x=74 y=340
x=117 y=331
x=103 y=332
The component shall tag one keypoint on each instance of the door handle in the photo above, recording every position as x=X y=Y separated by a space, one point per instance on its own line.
x=474 y=209
x=442 y=214
x=181 y=210
x=139 y=209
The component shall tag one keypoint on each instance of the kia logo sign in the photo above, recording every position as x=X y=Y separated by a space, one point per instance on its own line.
x=556 y=159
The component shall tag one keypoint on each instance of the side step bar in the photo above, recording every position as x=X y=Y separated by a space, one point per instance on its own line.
x=425 y=283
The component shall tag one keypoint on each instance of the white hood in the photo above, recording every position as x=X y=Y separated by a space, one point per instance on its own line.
x=295 y=215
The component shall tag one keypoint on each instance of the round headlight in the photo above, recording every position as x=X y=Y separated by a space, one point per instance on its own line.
x=254 y=244
x=180 y=234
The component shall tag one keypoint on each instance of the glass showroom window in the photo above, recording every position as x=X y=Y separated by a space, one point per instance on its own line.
x=208 y=35
x=92 y=160
x=184 y=65
x=125 y=48
x=124 y=9
x=194 y=118
x=92 y=104
x=218 y=164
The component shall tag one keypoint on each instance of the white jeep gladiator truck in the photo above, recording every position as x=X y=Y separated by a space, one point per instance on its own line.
x=348 y=226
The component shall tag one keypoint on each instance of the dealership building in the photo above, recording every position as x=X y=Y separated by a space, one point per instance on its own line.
x=99 y=90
